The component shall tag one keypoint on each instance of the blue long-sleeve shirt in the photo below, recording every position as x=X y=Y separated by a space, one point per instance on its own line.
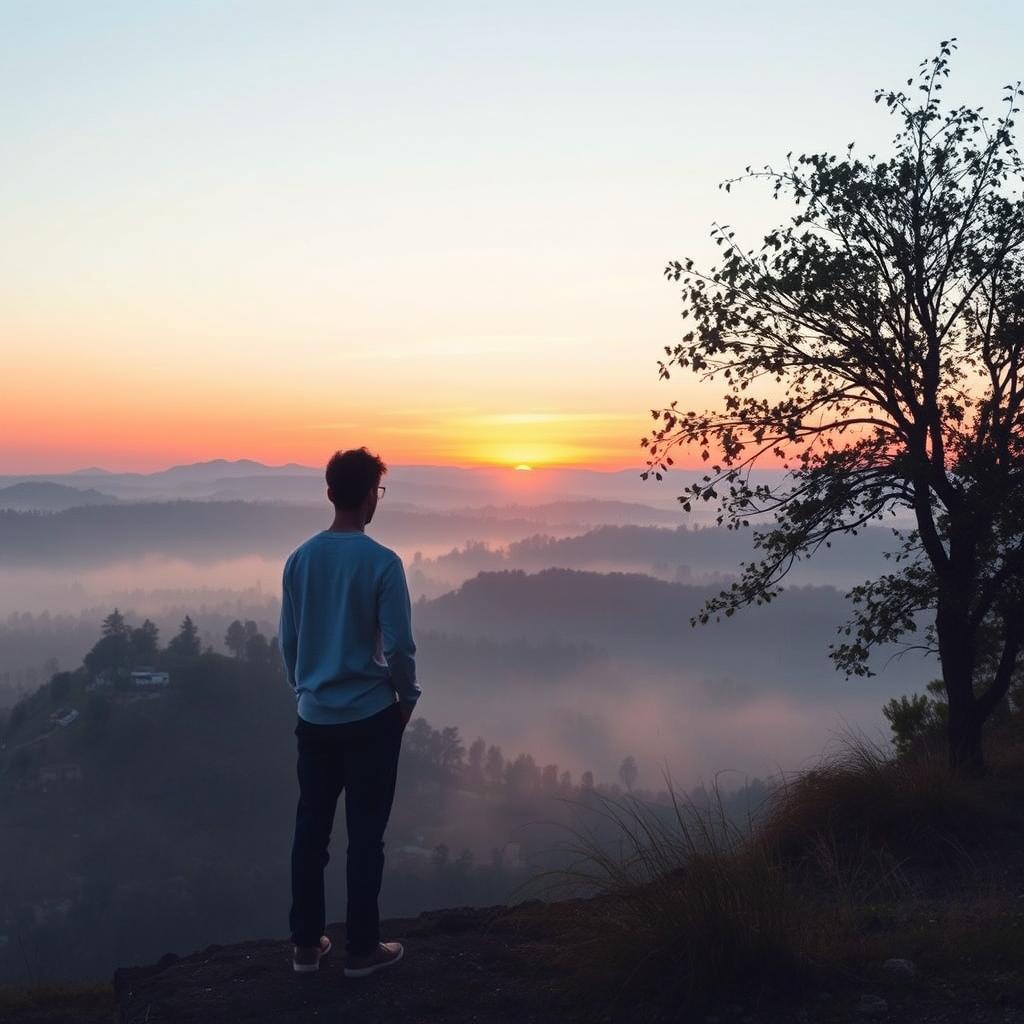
x=346 y=628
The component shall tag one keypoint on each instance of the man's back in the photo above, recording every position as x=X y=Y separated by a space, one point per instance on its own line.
x=345 y=630
x=346 y=640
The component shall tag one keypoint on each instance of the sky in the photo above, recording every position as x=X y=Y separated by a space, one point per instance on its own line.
x=270 y=230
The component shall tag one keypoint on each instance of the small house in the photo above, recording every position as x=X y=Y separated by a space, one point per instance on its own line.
x=63 y=716
x=150 y=677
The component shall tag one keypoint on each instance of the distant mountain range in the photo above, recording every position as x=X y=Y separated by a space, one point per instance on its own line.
x=432 y=487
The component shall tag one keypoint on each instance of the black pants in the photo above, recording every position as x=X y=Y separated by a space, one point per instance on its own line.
x=360 y=758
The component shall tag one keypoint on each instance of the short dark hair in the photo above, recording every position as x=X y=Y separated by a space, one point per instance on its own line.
x=351 y=475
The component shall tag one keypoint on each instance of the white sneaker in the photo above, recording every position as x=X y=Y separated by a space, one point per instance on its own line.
x=306 y=959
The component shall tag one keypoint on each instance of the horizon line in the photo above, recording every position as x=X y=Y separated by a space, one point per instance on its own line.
x=99 y=471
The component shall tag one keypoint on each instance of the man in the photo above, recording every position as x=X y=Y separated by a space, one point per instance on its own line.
x=346 y=638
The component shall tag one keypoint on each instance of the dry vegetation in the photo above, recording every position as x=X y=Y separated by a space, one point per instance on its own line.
x=864 y=858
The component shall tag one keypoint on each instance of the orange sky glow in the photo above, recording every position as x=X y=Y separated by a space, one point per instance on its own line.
x=343 y=235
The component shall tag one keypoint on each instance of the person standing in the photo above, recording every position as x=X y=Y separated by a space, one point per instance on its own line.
x=346 y=639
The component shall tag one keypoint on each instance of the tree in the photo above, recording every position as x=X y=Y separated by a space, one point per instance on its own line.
x=144 y=643
x=913 y=718
x=418 y=738
x=112 y=652
x=235 y=638
x=475 y=763
x=452 y=750
x=494 y=766
x=922 y=717
x=522 y=776
x=872 y=348
x=114 y=625
x=186 y=643
x=255 y=648
x=628 y=772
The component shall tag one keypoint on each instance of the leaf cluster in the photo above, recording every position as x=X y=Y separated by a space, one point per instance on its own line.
x=870 y=348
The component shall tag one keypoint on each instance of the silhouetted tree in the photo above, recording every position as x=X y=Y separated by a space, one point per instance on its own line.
x=452 y=750
x=257 y=650
x=494 y=766
x=235 y=638
x=475 y=762
x=186 y=643
x=144 y=643
x=417 y=737
x=628 y=772
x=111 y=654
x=114 y=625
x=522 y=775
x=873 y=346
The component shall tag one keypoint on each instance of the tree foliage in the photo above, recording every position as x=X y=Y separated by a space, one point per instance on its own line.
x=185 y=644
x=871 y=348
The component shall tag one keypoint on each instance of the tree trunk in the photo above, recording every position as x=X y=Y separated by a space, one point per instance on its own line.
x=966 y=757
x=957 y=657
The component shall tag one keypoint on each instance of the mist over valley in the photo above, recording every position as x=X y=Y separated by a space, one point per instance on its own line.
x=554 y=643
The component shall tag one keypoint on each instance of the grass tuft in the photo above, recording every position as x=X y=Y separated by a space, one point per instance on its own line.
x=841 y=860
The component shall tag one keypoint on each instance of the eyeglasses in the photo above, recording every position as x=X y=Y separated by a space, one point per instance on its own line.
x=380 y=492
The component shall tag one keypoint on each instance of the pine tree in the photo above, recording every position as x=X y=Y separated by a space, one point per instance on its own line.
x=186 y=643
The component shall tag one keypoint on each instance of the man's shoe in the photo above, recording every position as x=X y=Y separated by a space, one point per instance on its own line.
x=307 y=958
x=386 y=954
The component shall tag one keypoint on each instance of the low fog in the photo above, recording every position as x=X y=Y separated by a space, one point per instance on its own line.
x=552 y=623
x=578 y=667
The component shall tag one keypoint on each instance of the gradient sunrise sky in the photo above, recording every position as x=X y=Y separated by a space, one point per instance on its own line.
x=269 y=230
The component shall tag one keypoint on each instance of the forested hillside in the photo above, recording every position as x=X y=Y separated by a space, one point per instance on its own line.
x=141 y=817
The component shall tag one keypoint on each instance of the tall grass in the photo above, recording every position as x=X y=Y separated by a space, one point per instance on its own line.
x=691 y=904
x=861 y=806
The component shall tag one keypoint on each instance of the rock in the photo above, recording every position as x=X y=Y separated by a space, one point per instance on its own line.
x=899 y=970
x=872 y=1006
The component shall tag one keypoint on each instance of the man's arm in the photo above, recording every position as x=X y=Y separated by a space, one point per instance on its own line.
x=287 y=633
x=394 y=614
